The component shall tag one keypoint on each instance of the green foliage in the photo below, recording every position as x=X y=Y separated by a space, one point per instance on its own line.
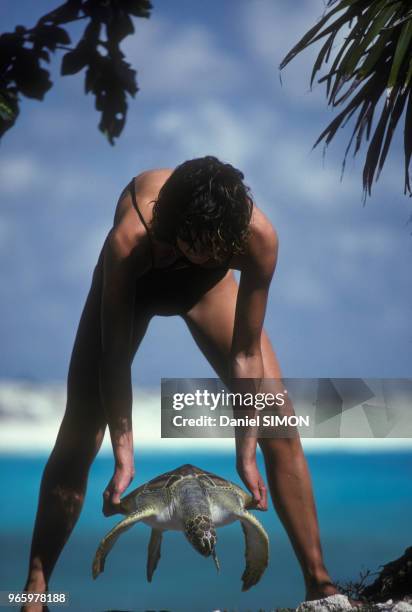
x=24 y=54
x=371 y=72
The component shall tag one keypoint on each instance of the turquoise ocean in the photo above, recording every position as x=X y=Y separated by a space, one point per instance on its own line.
x=364 y=502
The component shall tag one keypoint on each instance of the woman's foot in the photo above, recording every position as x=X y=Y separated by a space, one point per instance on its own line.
x=35 y=584
x=319 y=589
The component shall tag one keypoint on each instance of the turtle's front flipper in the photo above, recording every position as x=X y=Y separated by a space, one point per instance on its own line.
x=257 y=550
x=109 y=540
x=153 y=555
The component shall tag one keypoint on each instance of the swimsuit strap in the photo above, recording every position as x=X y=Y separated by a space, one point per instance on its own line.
x=181 y=259
x=134 y=201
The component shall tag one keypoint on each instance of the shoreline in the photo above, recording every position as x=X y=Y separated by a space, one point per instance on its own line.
x=30 y=415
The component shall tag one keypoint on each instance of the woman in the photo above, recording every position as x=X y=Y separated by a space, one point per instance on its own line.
x=177 y=236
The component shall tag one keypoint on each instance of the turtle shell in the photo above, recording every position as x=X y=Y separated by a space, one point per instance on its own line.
x=168 y=479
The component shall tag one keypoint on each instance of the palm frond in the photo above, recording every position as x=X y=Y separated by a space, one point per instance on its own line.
x=370 y=73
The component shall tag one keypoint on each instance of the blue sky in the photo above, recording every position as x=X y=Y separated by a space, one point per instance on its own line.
x=341 y=299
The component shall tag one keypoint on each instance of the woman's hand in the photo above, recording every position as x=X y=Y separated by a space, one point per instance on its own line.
x=250 y=475
x=121 y=479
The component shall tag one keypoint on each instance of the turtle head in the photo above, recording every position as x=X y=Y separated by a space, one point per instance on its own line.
x=201 y=533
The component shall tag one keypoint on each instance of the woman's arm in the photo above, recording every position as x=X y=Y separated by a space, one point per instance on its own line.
x=124 y=261
x=246 y=365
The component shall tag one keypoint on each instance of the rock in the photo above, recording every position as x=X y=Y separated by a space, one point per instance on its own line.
x=390 y=606
x=334 y=603
x=403 y=606
x=328 y=604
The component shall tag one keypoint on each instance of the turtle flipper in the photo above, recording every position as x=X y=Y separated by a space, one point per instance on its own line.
x=257 y=550
x=110 y=539
x=216 y=560
x=153 y=552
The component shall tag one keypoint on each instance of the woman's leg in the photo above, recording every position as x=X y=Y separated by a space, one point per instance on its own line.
x=80 y=436
x=211 y=323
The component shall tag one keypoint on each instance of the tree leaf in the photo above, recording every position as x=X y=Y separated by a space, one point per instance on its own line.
x=50 y=36
x=74 y=61
x=138 y=8
x=108 y=76
x=402 y=48
x=119 y=27
x=407 y=143
x=373 y=64
x=8 y=105
x=323 y=55
x=375 y=26
x=306 y=40
x=9 y=109
x=375 y=54
x=393 y=122
x=62 y=14
x=31 y=80
x=374 y=148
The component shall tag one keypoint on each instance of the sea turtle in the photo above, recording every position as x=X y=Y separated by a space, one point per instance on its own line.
x=194 y=501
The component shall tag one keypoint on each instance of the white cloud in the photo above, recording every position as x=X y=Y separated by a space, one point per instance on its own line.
x=183 y=61
x=53 y=122
x=377 y=242
x=311 y=182
x=274 y=155
x=211 y=127
x=304 y=289
x=79 y=184
x=19 y=174
x=194 y=101
x=271 y=29
x=78 y=263
x=22 y=175
x=274 y=27
x=7 y=229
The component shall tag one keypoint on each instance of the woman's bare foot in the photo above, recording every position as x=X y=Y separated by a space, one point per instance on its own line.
x=320 y=590
x=34 y=607
x=325 y=588
x=35 y=584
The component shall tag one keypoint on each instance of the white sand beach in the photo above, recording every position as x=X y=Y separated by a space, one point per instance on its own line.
x=30 y=414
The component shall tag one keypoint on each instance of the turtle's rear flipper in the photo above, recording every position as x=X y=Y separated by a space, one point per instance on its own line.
x=257 y=550
x=153 y=553
x=216 y=560
x=110 y=539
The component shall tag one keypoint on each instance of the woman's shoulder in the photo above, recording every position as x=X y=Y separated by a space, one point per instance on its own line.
x=146 y=187
x=148 y=179
x=128 y=233
x=262 y=229
x=142 y=188
x=262 y=244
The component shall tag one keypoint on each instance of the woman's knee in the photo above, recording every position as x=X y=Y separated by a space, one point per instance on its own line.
x=280 y=447
x=84 y=402
x=79 y=438
x=72 y=457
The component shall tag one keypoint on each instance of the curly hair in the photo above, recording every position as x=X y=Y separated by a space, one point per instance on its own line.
x=205 y=203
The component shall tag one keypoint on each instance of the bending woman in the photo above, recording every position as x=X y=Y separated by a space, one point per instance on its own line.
x=176 y=239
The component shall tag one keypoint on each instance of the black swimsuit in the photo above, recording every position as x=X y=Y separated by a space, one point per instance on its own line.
x=174 y=289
